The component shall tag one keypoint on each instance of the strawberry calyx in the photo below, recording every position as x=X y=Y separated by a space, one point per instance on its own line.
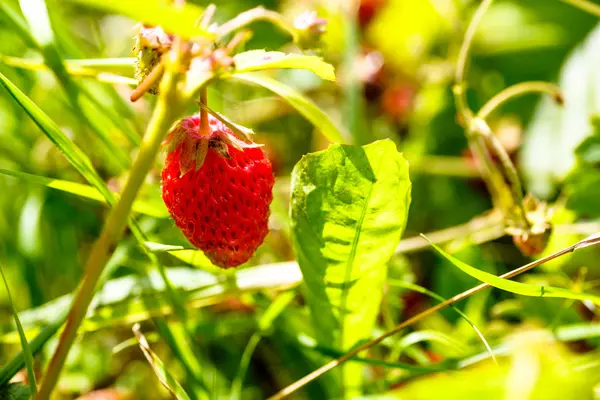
x=194 y=142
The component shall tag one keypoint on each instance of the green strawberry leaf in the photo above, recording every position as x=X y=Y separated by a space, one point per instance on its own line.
x=15 y=391
x=349 y=208
x=300 y=102
x=179 y=20
x=258 y=60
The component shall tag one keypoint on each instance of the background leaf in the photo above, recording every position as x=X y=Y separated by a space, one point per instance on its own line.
x=257 y=60
x=349 y=207
x=182 y=21
x=297 y=100
x=555 y=131
x=153 y=208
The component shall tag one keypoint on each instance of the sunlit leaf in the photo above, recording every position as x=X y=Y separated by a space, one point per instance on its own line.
x=180 y=20
x=302 y=104
x=257 y=60
x=349 y=207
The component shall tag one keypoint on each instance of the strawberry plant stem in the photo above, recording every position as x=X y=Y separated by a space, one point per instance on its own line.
x=165 y=113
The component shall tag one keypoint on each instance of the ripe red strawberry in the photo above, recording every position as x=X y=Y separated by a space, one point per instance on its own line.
x=218 y=189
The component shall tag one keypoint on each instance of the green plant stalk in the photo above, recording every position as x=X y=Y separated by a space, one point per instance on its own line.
x=165 y=113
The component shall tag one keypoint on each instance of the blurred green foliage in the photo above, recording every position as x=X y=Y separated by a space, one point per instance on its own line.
x=401 y=64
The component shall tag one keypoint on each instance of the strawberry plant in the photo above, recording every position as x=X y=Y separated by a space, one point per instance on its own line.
x=210 y=201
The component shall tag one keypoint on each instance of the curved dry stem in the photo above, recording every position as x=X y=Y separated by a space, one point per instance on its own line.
x=520 y=89
x=592 y=240
x=253 y=15
x=460 y=91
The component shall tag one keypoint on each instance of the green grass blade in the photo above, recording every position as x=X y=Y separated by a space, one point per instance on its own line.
x=433 y=295
x=265 y=322
x=75 y=156
x=182 y=20
x=159 y=368
x=522 y=289
x=86 y=68
x=18 y=24
x=106 y=114
x=36 y=14
x=17 y=363
x=301 y=103
x=24 y=344
x=311 y=343
x=153 y=209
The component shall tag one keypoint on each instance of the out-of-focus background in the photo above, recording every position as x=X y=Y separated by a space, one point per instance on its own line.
x=395 y=70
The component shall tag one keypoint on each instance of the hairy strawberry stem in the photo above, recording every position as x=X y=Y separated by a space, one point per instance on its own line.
x=168 y=108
